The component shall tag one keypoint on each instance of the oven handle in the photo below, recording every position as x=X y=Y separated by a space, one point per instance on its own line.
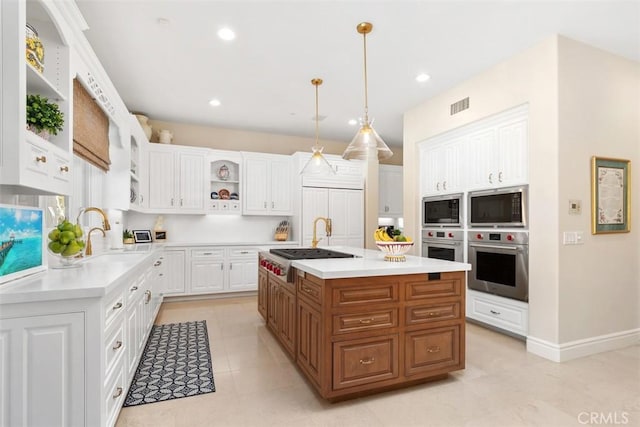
x=431 y=243
x=508 y=248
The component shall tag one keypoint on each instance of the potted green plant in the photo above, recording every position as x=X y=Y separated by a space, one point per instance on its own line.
x=127 y=237
x=43 y=117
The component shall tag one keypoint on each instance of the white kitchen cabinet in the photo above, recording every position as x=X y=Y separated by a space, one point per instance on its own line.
x=344 y=207
x=176 y=180
x=31 y=165
x=390 y=191
x=138 y=170
x=442 y=164
x=504 y=313
x=242 y=271
x=175 y=272
x=218 y=269
x=497 y=153
x=42 y=370
x=69 y=362
x=225 y=193
x=207 y=270
x=267 y=184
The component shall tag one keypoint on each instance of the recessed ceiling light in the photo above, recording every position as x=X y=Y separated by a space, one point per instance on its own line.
x=226 y=34
x=353 y=122
x=215 y=102
x=421 y=78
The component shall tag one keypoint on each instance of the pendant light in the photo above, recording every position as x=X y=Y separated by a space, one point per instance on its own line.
x=367 y=138
x=317 y=164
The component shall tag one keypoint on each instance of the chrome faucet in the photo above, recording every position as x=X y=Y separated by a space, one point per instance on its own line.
x=105 y=221
x=327 y=222
x=88 y=251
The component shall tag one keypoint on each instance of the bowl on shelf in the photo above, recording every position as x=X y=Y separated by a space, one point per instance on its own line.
x=394 y=251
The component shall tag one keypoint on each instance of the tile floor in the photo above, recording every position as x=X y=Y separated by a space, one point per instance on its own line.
x=502 y=385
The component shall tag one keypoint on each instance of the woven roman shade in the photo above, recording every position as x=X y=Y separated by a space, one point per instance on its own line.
x=90 y=128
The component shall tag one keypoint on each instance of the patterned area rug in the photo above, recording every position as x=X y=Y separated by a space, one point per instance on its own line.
x=176 y=363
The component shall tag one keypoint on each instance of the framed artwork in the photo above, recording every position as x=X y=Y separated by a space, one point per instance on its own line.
x=160 y=235
x=610 y=195
x=22 y=242
x=142 y=236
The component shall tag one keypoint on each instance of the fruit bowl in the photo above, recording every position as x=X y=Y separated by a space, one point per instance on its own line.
x=394 y=251
x=70 y=261
x=66 y=244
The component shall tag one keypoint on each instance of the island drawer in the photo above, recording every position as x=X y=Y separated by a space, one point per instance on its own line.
x=371 y=320
x=309 y=290
x=430 y=313
x=448 y=286
x=365 y=361
x=365 y=292
x=433 y=349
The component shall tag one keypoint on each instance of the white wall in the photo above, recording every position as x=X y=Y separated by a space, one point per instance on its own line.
x=599 y=99
x=208 y=228
x=582 y=102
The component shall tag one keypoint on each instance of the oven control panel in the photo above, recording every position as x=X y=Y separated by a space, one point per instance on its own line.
x=504 y=237
x=440 y=234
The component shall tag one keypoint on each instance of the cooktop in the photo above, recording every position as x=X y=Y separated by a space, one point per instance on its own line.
x=309 y=253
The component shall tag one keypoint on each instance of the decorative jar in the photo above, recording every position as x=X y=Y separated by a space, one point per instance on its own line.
x=35 y=49
x=146 y=127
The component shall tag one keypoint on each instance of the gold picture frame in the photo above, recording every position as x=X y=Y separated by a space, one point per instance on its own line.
x=610 y=195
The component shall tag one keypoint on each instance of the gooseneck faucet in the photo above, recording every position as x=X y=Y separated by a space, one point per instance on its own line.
x=89 y=250
x=327 y=222
x=105 y=221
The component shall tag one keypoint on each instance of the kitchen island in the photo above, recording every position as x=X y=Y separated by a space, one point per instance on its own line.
x=361 y=325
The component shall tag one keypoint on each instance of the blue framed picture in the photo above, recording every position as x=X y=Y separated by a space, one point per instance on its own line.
x=21 y=242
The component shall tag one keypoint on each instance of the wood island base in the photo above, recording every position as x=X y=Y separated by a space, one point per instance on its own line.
x=356 y=336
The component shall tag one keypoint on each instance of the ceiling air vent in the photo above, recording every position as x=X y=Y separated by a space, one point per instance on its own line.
x=461 y=105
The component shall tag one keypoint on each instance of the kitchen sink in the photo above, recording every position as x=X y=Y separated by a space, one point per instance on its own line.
x=108 y=257
x=309 y=253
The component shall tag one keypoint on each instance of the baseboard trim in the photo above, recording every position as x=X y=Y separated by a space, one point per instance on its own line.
x=580 y=348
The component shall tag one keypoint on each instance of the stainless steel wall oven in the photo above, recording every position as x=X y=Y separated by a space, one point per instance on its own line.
x=443 y=244
x=499 y=263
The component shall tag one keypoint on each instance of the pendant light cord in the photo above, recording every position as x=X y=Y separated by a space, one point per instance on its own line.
x=366 y=97
x=317 y=133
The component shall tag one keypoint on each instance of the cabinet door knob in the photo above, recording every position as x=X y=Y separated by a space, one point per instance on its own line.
x=42 y=159
x=118 y=345
x=64 y=168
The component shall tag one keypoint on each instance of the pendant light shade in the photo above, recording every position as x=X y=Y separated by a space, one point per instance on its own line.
x=367 y=139
x=317 y=164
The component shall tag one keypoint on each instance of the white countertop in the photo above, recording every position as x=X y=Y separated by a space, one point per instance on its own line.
x=371 y=263
x=94 y=276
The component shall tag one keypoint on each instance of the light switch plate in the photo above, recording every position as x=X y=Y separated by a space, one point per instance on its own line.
x=572 y=238
x=575 y=207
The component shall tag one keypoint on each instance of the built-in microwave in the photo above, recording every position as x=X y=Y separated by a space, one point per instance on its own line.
x=502 y=207
x=442 y=211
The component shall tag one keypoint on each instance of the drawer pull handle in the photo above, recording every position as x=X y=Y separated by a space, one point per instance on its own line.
x=432 y=314
x=208 y=253
x=244 y=252
x=367 y=361
x=42 y=159
x=497 y=313
x=118 y=345
x=148 y=294
x=64 y=168
x=133 y=288
x=433 y=349
x=307 y=290
x=157 y=263
x=118 y=393
x=366 y=321
x=117 y=306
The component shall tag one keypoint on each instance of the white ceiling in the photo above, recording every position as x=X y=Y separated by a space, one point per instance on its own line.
x=171 y=71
